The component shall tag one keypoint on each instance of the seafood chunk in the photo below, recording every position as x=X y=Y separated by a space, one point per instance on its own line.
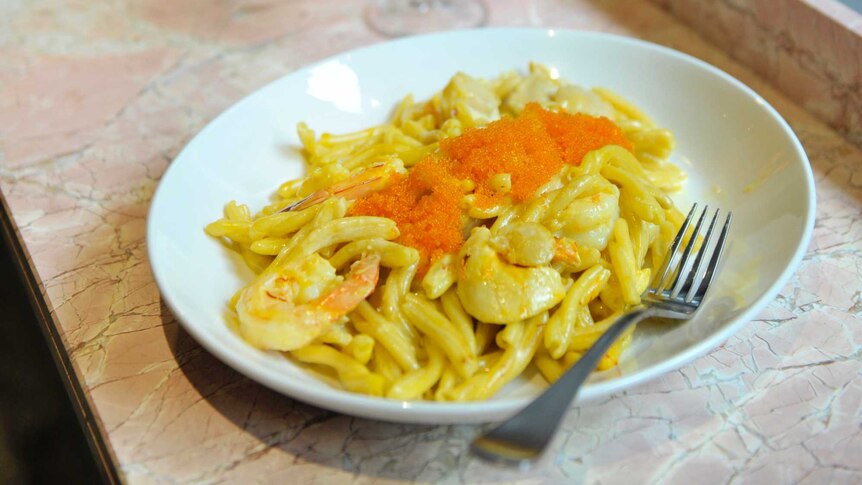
x=288 y=309
x=495 y=291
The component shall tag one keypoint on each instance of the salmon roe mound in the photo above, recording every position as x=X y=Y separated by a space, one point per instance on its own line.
x=425 y=206
x=425 y=203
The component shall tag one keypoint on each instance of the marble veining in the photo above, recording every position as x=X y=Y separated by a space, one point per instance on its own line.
x=809 y=49
x=97 y=98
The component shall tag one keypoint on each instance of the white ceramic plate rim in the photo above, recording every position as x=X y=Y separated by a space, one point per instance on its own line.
x=434 y=412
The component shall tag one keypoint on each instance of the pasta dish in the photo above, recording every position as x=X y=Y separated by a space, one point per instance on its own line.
x=501 y=223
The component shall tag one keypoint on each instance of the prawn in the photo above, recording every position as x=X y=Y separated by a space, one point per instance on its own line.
x=368 y=181
x=494 y=290
x=270 y=317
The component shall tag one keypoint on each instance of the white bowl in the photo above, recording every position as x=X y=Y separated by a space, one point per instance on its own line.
x=728 y=138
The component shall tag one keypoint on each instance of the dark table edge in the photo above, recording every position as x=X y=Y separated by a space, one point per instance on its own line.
x=106 y=461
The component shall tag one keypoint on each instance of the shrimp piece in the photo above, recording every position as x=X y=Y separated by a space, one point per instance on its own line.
x=270 y=318
x=368 y=181
x=566 y=253
x=495 y=291
x=524 y=244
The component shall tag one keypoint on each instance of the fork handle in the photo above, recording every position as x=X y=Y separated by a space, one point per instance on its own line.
x=534 y=426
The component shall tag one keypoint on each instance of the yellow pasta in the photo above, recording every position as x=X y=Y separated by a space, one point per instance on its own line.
x=460 y=319
x=281 y=224
x=360 y=348
x=414 y=384
x=391 y=255
x=440 y=276
x=337 y=335
x=623 y=260
x=525 y=276
x=353 y=375
x=425 y=316
x=382 y=363
x=511 y=363
x=562 y=324
x=391 y=336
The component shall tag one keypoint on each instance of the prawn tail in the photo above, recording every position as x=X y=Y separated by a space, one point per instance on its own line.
x=359 y=284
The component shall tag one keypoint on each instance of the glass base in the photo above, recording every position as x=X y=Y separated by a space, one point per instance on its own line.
x=396 y=18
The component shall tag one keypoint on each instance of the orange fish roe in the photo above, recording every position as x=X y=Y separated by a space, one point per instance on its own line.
x=519 y=147
x=577 y=134
x=425 y=204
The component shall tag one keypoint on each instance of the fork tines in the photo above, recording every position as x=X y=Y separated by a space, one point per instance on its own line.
x=684 y=277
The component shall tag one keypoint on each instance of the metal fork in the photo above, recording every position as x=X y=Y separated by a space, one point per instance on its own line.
x=678 y=291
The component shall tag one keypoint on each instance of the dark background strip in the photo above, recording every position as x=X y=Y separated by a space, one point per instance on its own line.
x=41 y=435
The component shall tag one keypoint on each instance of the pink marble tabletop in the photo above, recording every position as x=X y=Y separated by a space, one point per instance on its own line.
x=97 y=98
